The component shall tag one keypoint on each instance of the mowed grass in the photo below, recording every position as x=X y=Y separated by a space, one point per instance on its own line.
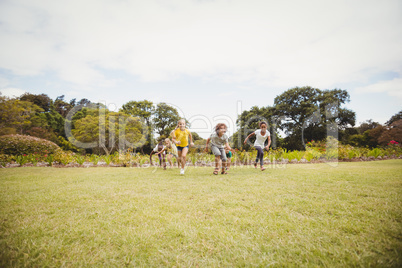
x=294 y=215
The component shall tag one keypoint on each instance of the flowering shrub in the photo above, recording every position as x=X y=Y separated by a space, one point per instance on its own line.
x=22 y=144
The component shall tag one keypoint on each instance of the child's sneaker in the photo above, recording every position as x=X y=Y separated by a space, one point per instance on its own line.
x=181 y=171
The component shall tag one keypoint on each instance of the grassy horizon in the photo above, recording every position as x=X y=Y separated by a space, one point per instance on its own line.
x=292 y=215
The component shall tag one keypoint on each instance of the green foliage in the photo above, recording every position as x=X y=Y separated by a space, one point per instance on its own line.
x=80 y=159
x=394 y=118
x=49 y=159
x=165 y=119
x=16 y=115
x=41 y=100
x=21 y=144
x=112 y=132
x=376 y=152
x=5 y=159
x=63 y=158
x=107 y=159
x=94 y=158
x=21 y=159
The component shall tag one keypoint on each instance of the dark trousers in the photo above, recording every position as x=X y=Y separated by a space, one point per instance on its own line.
x=260 y=155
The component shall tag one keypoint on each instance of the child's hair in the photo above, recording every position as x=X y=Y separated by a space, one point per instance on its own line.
x=218 y=126
x=263 y=123
x=160 y=145
x=168 y=142
x=181 y=120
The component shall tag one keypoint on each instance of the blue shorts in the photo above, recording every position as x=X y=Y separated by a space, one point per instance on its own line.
x=179 y=148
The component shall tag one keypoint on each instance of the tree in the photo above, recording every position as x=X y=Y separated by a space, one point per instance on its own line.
x=16 y=115
x=367 y=125
x=309 y=111
x=392 y=132
x=116 y=131
x=142 y=109
x=62 y=107
x=165 y=119
x=41 y=100
x=394 y=118
x=248 y=122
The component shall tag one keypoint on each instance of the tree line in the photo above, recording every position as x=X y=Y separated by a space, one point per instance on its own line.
x=299 y=115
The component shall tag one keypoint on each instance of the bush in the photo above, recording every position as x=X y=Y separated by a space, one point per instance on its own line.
x=21 y=144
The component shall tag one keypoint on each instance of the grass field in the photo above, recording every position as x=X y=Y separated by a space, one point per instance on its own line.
x=296 y=215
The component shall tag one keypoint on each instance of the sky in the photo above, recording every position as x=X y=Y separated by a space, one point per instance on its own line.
x=209 y=59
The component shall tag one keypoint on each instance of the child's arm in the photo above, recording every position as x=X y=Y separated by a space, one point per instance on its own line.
x=164 y=149
x=228 y=147
x=269 y=143
x=249 y=136
x=206 y=146
x=174 y=137
x=191 y=138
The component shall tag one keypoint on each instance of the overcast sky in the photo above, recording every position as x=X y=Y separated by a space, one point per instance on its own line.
x=210 y=59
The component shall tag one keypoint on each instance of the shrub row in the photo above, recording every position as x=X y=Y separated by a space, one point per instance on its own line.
x=22 y=144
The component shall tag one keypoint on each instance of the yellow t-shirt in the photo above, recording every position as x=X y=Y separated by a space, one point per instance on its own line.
x=182 y=136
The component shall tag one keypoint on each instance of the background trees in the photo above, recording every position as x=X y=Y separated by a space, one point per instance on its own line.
x=298 y=115
x=301 y=114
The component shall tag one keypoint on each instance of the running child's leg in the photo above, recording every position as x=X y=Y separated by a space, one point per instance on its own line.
x=169 y=158
x=183 y=157
x=224 y=160
x=164 y=161
x=160 y=159
x=260 y=155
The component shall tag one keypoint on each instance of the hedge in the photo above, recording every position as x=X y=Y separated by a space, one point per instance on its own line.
x=22 y=144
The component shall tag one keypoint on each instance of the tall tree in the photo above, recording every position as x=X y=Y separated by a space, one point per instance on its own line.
x=165 y=119
x=16 y=115
x=142 y=109
x=309 y=112
x=41 y=100
x=394 y=118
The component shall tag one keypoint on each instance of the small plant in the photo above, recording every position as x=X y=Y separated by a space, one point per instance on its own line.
x=49 y=159
x=308 y=156
x=5 y=159
x=94 y=158
x=21 y=159
x=80 y=159
x=376 y=152
x=34 y=158
x=63 y=157
x=107 y=159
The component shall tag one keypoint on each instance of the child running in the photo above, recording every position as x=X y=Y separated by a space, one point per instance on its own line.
x=219 y=140
x=159 y=151
x=262 y=135
x=171 y=150
x=181 y=136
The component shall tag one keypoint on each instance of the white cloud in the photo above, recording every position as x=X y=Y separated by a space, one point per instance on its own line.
x=12 y=92
x=269 y=43
x=391 y=87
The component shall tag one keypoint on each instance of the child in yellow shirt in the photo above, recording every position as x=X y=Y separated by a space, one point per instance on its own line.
x=181 y=136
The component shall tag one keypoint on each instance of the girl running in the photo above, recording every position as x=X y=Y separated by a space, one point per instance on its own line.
x=171 y=150
x=219 y=140
x=262 y=135
x=181 y=136
x=159 y=151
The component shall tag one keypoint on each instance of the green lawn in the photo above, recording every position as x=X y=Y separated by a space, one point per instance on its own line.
x=294 y=215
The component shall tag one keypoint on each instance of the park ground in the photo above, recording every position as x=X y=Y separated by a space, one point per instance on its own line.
x=304 y=215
